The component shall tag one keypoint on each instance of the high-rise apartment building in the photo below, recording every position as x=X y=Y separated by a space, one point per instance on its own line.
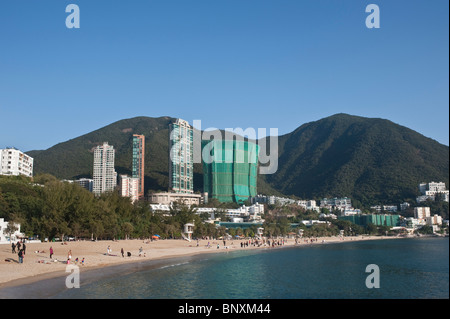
x=181 y=159
x=15 y=162
x=138 y=161
x=105 y=177
x=230 y=175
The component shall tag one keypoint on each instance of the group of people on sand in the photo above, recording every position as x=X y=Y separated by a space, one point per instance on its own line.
x=122 y=252
x=69 y=257
x=21 y=248
x=308 y=240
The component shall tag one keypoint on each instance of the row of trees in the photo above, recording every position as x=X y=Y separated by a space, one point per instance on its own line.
x=47 y=208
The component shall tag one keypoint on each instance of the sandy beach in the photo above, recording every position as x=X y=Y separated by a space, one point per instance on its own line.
x=37 y=264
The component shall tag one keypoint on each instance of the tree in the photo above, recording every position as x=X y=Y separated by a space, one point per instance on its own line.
x=11 y=228
x=4 y=207
x=127 y=229
x=283 y=226
x=43 y=179
x=425 y=230
x=170 y=229
x=383 y=230
x=95 y=228
x=220 y=231
x=371 y=229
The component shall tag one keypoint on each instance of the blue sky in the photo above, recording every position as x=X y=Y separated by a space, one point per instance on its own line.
x=234 y=63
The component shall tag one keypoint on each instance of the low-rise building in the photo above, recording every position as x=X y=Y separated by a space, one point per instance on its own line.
x=350 y=211
x=275 y=200
x=413 y=223
x=421 y=212
x=129 y=187
x=86 y=183
x=168 y=198
x=332 y=216
x=385 y=208
x=308 y=205
x=246 y=213
x=15 y=162
x=272 y=200
x=309 y=223
x=433 y=220
x=404 y=206
x=336 y=203
x=431 y=190
x=5 y=237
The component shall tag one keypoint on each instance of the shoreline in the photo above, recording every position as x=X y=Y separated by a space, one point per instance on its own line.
x=14 y=276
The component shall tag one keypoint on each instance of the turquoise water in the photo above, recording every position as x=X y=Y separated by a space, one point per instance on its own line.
x=409 y=268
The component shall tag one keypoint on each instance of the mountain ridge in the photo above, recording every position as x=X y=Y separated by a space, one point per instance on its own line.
x=336 y=155
x=368 y=159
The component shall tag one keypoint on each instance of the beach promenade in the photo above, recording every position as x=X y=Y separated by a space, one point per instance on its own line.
x=37 y=264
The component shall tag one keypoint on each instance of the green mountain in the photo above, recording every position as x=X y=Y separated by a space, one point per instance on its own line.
x=369 y=160
x=74 y=158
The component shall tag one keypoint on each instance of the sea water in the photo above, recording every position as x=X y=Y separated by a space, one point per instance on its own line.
x=408 y=268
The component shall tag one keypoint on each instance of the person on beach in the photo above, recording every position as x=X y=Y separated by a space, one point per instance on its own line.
x=51 y=252
x=121 y=251
x=69 y=256
x=13 y=248
x=24 y=248
x=20 y=254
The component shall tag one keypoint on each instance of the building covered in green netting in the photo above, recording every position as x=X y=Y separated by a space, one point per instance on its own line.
x=376 y=219
x=230 y=169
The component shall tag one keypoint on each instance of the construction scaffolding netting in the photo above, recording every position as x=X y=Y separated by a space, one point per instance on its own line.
x=230 y=169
